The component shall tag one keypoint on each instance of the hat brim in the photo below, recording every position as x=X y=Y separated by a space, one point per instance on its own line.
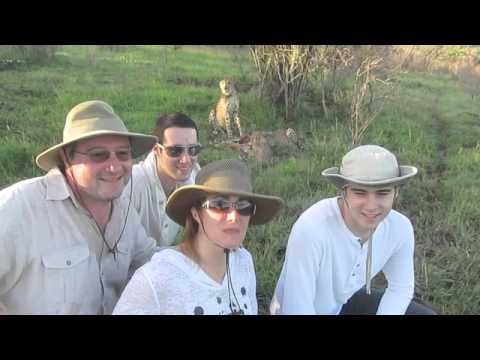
x=332 y=175
x=141 y=144
x=183 y=199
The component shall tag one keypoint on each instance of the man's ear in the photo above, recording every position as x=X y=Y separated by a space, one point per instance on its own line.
x=157 y=149
x=64 y=157
x=195 y=215
x=397 y=190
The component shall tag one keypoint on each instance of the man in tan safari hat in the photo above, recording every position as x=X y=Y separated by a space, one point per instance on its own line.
x=68 y=241
x=338 y=245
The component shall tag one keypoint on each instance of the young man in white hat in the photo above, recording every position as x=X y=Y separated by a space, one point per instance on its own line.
x=338 y=245
x=172 y=163
x=68 y=241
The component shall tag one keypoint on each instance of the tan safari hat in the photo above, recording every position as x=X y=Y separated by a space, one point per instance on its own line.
x=223 y=177
x=369 y=165
x=89 y=119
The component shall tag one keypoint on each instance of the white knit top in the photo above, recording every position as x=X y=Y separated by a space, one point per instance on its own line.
x=172 y=283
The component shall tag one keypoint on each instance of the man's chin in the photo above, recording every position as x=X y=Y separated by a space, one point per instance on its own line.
x=182 y=176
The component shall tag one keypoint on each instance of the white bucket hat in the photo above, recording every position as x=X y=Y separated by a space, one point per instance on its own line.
x=89 y=119
x=369 y=165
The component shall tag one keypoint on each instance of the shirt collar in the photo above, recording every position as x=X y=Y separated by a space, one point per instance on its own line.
x=150 y=166
x=58 y=188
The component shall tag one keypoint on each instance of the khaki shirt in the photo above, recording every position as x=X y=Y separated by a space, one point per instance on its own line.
x=149 y=200
x=52 y=257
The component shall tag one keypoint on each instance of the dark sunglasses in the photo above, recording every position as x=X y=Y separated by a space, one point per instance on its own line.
x=177 y=150
x=244 y=207
x=102 y=155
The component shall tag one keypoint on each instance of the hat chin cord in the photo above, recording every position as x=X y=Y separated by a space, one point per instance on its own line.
x=113 y=250
x=368 y=270
x=229 y=277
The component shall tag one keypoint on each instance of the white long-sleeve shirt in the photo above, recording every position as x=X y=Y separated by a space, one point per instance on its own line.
x=325 y=263
x=149 y=200
x=173 y=284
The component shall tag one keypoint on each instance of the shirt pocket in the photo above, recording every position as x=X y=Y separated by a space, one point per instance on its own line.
x=68 y=274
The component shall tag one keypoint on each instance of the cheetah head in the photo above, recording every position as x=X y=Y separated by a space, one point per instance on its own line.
x=226 y=86
x=291 y=134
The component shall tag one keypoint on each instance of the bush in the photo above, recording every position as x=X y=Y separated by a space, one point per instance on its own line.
x=28 y=53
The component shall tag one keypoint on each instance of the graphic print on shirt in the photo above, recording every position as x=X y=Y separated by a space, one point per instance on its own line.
x=244 y=294
x=220 y=304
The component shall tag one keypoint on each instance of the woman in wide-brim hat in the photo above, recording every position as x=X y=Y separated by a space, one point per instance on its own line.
x=209 y=272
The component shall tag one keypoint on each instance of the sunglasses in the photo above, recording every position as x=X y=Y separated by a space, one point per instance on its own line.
x=177 y=150
x=220 y=205
x=102 y=155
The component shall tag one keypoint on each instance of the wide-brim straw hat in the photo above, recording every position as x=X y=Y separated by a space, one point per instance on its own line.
x=369 y=165
x=224 y=178
x=90 y=119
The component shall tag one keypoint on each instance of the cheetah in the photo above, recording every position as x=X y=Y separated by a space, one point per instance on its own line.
x=266 y=147
x=226 y=110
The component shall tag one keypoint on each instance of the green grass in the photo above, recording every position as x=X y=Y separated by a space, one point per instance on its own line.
x=432 y=123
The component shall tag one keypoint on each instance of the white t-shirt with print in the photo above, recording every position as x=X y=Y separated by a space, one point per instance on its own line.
x=173 y=284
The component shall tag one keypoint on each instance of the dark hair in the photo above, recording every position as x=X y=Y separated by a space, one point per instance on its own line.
x=189 y=233
x=70 y=152
x=176 y=119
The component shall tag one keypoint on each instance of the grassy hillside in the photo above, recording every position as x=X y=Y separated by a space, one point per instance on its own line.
x=432 y=123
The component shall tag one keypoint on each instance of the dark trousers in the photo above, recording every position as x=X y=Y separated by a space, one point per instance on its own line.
x=362 y=304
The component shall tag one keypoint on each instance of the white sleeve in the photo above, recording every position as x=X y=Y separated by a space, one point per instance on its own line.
x=253 y=286
x=301 y=266
x=138 y=298
x=399 y=272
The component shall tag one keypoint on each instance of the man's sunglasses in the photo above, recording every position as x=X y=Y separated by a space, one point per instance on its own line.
x=221 y=205
x=102 y=155
x=177 y=150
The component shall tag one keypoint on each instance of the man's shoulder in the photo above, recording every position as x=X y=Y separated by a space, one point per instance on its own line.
x=22 y=189
x=142 y=182
x=396 y=218
x=318 y=213
x=314 y=223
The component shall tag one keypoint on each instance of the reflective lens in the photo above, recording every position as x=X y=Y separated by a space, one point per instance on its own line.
x=244 y=207
x=177 y=150
x=102 y=155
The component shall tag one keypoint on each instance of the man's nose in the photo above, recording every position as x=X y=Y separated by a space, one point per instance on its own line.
x=113 y=164
x=184 y=157
x=372 y=202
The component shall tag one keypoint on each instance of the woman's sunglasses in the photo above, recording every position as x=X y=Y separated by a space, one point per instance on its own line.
x=177 y=150
x=101 y=155
x=244 y=207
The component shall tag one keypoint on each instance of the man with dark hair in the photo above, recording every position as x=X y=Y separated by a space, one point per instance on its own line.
x=338 y=244
x=171 y=164
x=68 y=241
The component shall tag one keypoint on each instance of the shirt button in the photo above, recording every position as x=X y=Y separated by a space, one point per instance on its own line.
x=69 y=262
x=353 y=274
x=358 y=265
x=166 y=226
